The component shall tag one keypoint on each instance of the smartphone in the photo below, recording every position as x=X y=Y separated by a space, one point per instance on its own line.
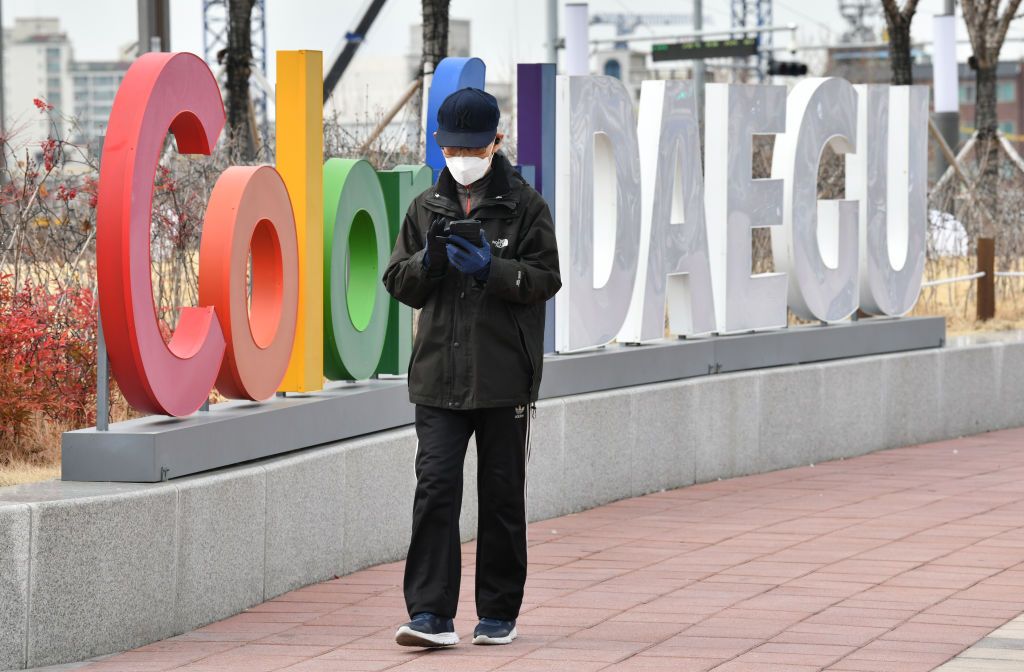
x=468 y=229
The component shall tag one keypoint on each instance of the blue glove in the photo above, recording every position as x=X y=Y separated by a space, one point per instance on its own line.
x=469 y=258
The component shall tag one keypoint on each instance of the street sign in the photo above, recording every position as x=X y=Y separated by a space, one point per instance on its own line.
x=693 y=49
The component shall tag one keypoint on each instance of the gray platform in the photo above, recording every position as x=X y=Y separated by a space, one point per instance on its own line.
x=158 y=448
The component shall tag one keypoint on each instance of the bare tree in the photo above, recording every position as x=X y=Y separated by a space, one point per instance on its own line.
x=435 y=39
x=435 y=30
x=237 y=60
x=898 y=21
x=987 y=28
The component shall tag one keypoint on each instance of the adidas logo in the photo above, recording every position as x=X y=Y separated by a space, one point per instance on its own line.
x=520 y=411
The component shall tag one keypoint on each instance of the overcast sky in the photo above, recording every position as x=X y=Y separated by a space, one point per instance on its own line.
x=504 y=32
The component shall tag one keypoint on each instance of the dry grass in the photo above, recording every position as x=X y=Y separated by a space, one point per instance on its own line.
x=956 y=301
x=36 y=457
x=28 y=472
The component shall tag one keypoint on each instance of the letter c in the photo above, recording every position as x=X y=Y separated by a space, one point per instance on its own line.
x=160 y=91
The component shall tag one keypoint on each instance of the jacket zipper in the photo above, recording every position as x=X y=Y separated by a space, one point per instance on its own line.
x=511 y=205
x=526 y=351
x=451 y=346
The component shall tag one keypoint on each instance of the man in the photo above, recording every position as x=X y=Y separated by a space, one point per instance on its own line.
x=475 y=369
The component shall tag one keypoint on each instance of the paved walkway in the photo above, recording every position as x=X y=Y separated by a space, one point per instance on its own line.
x=897 y=560
x=1001 y=651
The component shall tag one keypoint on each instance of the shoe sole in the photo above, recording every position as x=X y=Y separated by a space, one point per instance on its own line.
x=484 y=639
x=406 y=636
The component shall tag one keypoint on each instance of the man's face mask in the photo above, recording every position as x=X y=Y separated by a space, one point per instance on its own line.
x=468 y=169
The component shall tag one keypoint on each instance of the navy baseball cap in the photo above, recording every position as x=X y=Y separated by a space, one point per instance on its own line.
x=467 y=118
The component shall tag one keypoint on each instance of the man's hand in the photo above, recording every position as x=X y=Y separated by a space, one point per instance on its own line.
x=469 y=258
x=434 y=258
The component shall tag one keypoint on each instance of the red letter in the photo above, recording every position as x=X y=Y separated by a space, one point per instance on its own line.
x=160 y=91
x=250 y=209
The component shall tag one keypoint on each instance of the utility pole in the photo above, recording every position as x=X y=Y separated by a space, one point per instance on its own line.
x=945 y=84
x=552 y=27
x=577 y=23
x=154 y=26
x=698 y=65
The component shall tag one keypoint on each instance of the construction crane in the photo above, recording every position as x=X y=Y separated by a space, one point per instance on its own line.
x=215 y=41
x=350 y=44
x=858 y=13
x=626 y=24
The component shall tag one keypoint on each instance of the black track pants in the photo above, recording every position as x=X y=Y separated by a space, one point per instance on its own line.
x=434 y=566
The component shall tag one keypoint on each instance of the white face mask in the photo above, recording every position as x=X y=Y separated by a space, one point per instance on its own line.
x=467 y=169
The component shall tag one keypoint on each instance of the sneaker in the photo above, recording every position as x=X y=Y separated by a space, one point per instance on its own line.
x=494 y=631
x=428 y=630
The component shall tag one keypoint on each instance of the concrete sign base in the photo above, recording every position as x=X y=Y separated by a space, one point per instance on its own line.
x=158 y=448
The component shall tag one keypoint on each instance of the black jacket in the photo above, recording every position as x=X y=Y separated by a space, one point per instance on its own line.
x=479 y=344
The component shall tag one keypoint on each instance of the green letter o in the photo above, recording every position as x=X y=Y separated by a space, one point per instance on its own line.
x=356 y=251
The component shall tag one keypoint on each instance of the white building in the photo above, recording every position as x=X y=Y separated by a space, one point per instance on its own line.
x=458 y=42
x=94 y=84
x=626 y=65
x=37 y=64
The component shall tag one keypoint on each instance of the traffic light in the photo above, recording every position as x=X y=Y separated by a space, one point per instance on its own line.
x=787 y=68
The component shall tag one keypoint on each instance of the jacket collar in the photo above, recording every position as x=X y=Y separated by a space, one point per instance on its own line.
x=502 y=180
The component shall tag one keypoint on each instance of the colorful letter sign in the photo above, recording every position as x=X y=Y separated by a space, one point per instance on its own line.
x=300 y=160
x=888 y=176
x=357 y=246
x=674 y=270
x=640 y=228
x=249 y=209
x=400 y=186
x=736 y=203
x=598 y=187
x=160 y=92
x=817 y=246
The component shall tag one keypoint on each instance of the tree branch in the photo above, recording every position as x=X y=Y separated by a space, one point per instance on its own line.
x=970 y=12
x=892 y=10
x=896 y=15
x=1004 y=24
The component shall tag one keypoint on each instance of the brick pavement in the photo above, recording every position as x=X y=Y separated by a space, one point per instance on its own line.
x=898 y=560
x=1001 y=651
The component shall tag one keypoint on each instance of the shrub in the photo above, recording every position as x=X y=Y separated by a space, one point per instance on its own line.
x=47 y=360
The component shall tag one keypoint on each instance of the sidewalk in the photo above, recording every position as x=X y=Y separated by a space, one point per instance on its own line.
x=897 y=560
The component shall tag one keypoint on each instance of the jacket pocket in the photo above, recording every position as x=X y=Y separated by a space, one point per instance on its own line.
x=426 y=360
x=524 y=344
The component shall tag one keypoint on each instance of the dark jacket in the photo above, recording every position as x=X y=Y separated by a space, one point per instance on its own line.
x=479 y=344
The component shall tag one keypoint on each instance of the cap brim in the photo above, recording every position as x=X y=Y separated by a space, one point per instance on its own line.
x=475 y=139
